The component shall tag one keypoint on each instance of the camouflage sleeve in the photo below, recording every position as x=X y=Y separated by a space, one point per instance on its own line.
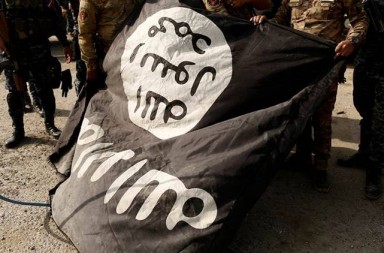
x=358 y=19
x=87 y=31
x=283 y=14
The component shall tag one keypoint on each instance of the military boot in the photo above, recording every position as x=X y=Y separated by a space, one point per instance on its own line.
x=373 y=182
x=357 y=160
x=15 y=108
x=360 y=159
x=51 y=129
x=16 y=139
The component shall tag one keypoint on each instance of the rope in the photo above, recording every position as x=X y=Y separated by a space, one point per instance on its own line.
x=23 y=203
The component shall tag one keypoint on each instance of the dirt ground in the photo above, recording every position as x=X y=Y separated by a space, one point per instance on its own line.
x=290 y=216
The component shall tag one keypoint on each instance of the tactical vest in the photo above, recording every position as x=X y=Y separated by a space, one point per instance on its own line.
x=29 y=19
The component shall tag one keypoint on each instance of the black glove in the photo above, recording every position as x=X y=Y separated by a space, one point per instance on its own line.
x=66 y=82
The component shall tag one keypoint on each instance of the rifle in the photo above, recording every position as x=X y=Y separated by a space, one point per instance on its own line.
x=377 y=17
x=4 y=42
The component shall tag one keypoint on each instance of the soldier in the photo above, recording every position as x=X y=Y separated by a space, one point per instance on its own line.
x=324 y=18
x=99 y=22
x=30 y=24
x=368 y=98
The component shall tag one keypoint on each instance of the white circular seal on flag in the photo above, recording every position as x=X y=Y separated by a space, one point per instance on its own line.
x=174 y=67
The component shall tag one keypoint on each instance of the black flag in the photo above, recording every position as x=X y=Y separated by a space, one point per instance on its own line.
x=199 y=111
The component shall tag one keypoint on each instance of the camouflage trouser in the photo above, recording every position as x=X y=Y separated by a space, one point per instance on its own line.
x=321 y=123
x=374 y=76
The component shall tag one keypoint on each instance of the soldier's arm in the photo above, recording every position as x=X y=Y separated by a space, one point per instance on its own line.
x=283 y=14
x=358 y=19
x=356 y=35
x=87 y=31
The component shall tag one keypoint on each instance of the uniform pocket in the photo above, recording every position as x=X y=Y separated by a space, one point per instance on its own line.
x=325 y=9
x=295 y=3
x=297 y=9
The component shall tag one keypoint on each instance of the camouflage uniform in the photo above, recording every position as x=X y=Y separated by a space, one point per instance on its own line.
x=323 y=18
x=102 y=19
x=31 y=23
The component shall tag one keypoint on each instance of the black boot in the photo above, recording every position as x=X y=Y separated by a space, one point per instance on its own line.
x=373 y=183
x=16 y=139
x=52 y=130
x=358 y=160
x=15 y=109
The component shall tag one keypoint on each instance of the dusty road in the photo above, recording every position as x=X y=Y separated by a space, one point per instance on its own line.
x=290 y=217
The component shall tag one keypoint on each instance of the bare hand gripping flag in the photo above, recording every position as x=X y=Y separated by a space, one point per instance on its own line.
x=199 y=111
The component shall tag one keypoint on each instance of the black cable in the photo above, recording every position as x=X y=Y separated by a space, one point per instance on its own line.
x=23 y=202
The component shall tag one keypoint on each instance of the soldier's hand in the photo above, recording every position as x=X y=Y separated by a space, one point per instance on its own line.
x=68 y=53
x=258 y=19
x=344 y=49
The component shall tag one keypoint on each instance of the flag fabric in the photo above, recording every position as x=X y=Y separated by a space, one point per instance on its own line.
x=199 y=111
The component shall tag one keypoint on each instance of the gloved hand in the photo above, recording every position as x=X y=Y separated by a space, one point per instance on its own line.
x=66 y=82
